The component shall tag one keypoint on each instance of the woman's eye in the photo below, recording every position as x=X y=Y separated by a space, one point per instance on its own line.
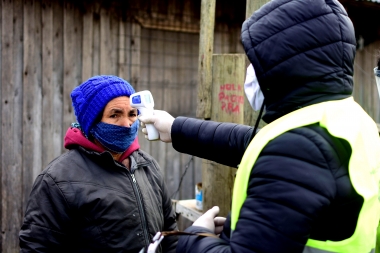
x=113 y=116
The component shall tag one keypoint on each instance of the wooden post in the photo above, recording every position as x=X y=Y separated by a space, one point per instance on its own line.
x=227 y=106
x=224 y=76
x=206 y=48
x=250 y=116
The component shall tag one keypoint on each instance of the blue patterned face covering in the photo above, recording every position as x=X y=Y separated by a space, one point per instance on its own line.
x=115 y=138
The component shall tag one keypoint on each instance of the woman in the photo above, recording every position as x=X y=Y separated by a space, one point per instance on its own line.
x=105 y=194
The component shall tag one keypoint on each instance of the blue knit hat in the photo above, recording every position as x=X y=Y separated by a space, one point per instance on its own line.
x=91 y=97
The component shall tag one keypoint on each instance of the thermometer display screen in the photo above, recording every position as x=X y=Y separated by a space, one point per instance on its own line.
x=147 y=99
x=136 y=99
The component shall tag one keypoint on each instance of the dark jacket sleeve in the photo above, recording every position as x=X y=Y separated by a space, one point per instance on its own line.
x=223 y=143
x=46 y=211
x=290 y=188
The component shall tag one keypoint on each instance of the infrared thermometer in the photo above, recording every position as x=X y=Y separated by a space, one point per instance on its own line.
x=143 y=101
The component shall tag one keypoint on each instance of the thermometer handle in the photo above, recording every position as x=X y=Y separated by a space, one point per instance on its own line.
x=152 y=132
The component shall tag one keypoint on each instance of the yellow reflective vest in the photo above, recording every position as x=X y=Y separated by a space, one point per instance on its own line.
x=343 y=119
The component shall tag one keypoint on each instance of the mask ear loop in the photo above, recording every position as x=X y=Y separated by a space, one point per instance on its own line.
x=257 y=121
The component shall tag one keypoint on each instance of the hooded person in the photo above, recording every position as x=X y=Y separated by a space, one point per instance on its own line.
x=105 y=194
x=309 y=180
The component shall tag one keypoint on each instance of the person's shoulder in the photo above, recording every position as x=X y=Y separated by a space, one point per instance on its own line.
x=303 y=142
x=312 y=143
x=63 y=164
x=312 y=134
x=143 y=157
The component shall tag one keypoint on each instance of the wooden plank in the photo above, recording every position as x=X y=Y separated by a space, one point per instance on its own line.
x=168 y=56
x=206 y=41
x=1 y=46
x=227 y=106
x=32 y=95
x=186 y=71
x=135 y=45
x=358 y=78
x=58 y=129
x=96 y=40
x=105 y=40
x=2 y=164
x=228 y=89
x=107 y=43
x=187 y=209
x=142 y=83
x=11 y=123
x=87 y=42
x=147 y=42
x=123 y=68
x=155 y=66
x=47 y=84
x=72 y=59
x=113 y=42
x=367 y=73
x=151 y=59
x=149 y=66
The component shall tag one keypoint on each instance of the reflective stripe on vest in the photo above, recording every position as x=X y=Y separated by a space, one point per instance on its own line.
x=313 y=250
x=343 y=119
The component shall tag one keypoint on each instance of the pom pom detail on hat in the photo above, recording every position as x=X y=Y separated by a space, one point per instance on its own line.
x=90 y=98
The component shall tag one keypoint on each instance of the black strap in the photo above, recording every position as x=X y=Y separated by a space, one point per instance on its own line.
x=258 y=120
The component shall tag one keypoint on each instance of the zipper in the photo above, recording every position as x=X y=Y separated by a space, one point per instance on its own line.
x=141 y=209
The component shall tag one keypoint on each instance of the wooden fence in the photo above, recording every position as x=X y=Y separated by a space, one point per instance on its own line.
x=365 y=90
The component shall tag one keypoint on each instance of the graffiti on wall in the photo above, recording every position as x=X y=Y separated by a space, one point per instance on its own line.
x=230 y=99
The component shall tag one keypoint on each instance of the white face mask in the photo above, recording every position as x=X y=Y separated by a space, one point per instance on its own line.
x=252 y=89
x=377 y=77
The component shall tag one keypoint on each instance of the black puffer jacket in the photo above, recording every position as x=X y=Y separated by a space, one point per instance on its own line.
x=299 y=187
x=85 y=201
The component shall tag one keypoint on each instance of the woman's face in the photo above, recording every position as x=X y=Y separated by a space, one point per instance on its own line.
x=119 y=112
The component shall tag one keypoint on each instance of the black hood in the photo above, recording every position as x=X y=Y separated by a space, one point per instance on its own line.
x=302 y=51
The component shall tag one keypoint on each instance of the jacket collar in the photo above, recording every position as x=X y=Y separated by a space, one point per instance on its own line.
x=74 y=138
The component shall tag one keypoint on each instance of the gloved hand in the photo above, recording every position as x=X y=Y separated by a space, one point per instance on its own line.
x=210 y=221
x=162 y=120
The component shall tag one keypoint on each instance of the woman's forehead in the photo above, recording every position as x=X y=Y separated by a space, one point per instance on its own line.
x=122 y=102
